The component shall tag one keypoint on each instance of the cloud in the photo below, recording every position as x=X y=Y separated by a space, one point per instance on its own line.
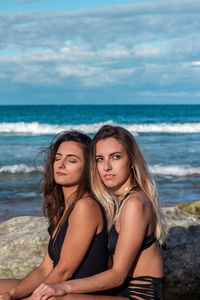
x=153 y=47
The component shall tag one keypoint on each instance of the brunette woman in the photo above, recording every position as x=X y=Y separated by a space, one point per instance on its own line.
x=122 y=183
x=77 y=224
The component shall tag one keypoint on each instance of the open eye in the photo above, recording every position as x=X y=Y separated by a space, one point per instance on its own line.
x=116 y=156
x=98 y=159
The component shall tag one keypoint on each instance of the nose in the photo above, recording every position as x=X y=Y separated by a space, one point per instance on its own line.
x=107 y=165
x=61 y=164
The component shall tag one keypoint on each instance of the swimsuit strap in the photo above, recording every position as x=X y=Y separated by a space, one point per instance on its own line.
x=127 y=194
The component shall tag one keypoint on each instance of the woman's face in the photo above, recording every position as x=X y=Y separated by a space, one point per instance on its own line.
x=113 y=164
x=68 y=164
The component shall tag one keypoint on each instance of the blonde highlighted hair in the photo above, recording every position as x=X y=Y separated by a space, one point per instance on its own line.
x=140 y=176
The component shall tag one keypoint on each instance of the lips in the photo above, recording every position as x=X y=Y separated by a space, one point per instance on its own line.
x=109 y=176
x=60 y=174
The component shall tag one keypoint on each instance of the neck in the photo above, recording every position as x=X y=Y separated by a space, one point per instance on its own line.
x=68 y=192
x=121 y=192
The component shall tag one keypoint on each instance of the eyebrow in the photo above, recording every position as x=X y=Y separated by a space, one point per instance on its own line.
x=69 y=155
x=111 y=154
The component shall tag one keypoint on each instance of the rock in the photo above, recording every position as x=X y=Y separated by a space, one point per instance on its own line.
x=23 y=241
x=182 y=257
x=190 y=207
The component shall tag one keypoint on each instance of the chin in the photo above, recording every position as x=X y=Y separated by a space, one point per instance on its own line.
x=109 y=185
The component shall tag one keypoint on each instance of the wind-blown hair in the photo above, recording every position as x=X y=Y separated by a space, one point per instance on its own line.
x=140 y=176
x=54 y=202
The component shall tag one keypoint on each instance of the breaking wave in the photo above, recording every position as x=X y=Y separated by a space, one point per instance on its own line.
x=19 y=168
x=36 y=128
x=173 y=170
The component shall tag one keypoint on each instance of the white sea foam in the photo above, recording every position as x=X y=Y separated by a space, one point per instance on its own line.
x=175 y=170
x=21 y=168
x=165 y=127
x=36 y=128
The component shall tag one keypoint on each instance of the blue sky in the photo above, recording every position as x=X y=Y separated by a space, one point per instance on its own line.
x=99 y=52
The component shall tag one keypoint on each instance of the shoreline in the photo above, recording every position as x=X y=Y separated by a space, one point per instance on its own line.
x=24 y=240
x=7 y=217
x=192 y=208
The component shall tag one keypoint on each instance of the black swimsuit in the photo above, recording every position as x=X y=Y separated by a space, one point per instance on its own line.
x=145 y=287
x=96 y=258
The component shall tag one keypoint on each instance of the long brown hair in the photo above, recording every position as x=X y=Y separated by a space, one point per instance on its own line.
x=140 y=176
x=54 y=202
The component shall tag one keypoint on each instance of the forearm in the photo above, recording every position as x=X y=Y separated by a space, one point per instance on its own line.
x=28 y=284
x=102 y=281
x=58 y=275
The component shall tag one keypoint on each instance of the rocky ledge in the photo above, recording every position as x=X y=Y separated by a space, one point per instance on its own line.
x=23 y=241
x=182 y=255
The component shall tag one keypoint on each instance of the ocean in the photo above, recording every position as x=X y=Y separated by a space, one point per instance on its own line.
x=169 y=136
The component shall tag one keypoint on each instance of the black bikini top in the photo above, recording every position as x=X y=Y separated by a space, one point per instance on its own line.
x=113 y=234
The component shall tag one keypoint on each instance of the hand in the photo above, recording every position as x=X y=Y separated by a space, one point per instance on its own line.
x=44 y=291
x=5 y=296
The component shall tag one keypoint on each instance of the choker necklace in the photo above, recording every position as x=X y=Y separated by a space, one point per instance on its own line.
x=124 y=192
x=127 y=194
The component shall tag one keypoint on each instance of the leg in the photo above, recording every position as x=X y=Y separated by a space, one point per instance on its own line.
x=86 y=297
x=7 y=284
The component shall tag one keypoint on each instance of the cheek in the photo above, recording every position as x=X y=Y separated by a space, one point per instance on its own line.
x=126 y=170
x=78 y=171
x=100 y=169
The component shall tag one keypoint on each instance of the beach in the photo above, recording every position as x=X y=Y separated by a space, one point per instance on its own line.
x=169 y=136
x=24 y=241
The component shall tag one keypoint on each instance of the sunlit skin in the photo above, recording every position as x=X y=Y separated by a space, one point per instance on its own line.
x=113 y=164
x=134 y=221
x=68 y=166
x=84 y=222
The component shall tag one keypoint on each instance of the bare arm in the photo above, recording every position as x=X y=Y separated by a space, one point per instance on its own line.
x=32 y=280
x=132 y=231
x=83 y=224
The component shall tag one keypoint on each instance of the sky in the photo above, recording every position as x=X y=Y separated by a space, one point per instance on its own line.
x=99 y=52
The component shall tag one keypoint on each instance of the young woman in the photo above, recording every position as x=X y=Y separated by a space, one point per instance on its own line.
x=77 y=223
x=121 y=181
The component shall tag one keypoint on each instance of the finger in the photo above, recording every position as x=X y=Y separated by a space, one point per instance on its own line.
x=40 y=287
x=40 y=290
x=38 y=295
x=45 y=297
x=46 y=292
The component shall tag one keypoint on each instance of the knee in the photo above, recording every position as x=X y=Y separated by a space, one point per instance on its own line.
x=66 y=297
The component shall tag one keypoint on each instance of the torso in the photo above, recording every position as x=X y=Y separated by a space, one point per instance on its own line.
x=139 y=283
x=113 y=237
x=95 y=260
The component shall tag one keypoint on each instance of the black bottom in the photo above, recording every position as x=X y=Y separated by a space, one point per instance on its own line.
x=148 y=288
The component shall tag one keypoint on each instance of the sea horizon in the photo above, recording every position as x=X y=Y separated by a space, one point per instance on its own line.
x=169 y=136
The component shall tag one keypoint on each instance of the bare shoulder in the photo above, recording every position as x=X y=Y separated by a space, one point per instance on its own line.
x=136 y=211
x=87 y=204
x=86 y=212
x=138 y=203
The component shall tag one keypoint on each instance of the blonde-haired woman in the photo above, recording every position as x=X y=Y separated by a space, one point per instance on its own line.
x=121 y=182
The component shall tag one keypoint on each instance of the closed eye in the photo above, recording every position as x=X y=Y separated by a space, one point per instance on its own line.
x=72 y=161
